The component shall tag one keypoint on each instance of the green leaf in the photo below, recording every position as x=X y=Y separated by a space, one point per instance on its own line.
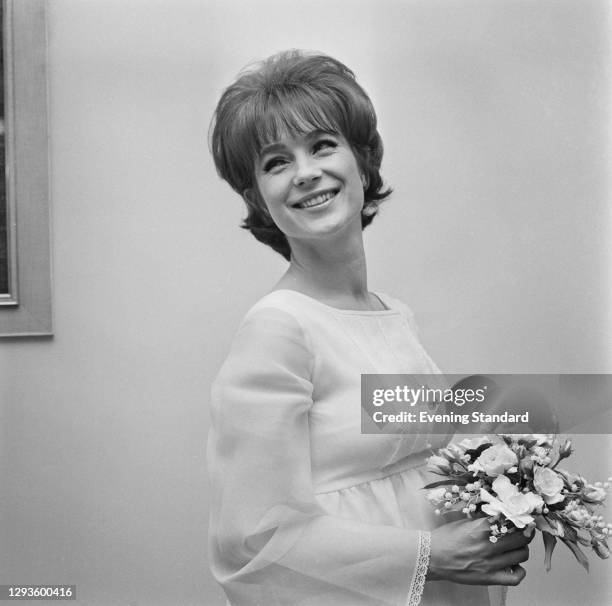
x=549 y=545
x=441 y=483
x=578 y=553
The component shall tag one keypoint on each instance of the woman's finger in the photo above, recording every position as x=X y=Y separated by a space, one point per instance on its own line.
x=508 y=576
x=508 y=559
x=512 y=541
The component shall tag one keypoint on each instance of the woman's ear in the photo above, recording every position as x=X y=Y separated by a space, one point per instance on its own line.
x=250 y=198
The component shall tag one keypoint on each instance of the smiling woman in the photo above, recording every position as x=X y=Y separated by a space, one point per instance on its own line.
x=318 y=100
x=310 y=185
x=306 y=509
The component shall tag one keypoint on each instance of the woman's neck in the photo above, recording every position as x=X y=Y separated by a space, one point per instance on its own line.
x=333 y=272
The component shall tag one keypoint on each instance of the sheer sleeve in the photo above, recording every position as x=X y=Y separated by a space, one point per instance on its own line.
x=270 y=543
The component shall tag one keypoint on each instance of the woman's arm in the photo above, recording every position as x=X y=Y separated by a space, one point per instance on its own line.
x=270 y=542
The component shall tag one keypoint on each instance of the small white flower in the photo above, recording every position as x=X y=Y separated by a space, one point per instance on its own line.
x=493 y=539
x=435 y=495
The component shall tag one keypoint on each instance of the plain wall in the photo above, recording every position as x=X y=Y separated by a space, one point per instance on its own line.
x=496 y=121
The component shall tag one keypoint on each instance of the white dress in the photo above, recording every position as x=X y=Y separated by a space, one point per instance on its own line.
x=305 y=509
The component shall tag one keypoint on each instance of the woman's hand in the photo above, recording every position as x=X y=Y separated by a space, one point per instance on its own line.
x=461 y=552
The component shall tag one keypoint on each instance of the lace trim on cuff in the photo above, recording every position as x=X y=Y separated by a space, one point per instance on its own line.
x=420 y=571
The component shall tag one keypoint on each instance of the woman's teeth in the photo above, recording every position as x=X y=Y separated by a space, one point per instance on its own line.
x=316 y=201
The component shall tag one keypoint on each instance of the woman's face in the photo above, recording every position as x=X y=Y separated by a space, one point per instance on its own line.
x=311 y=184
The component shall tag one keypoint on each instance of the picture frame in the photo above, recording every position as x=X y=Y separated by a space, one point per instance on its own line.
x=25 y=297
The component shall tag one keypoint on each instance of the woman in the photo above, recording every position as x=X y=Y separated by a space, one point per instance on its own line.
x=305 y=509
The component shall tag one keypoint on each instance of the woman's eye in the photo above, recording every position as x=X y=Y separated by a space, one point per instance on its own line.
x=324 y=144
x=273 y=163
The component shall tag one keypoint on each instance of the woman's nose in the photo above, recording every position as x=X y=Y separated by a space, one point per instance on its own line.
x=307 y=172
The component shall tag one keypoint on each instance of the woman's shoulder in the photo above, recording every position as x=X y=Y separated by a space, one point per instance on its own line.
x=269 y=339
x=281 y=302
x=275 y=318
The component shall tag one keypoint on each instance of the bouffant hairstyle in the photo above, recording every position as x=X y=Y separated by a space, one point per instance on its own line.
x=293 y=92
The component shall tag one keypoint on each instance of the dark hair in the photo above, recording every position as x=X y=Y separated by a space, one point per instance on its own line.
x=293 y=92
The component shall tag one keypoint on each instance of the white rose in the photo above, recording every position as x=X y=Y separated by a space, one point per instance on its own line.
x=513 y=505
x=494 y=460
x=577 y=513
x=548 y=484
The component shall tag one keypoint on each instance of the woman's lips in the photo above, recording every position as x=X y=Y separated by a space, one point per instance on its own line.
x=315 y=201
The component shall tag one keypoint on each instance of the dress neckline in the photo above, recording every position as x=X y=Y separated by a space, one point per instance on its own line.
x=365 y=312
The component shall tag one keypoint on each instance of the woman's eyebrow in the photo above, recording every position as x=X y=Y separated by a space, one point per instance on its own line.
x=277 y=146
x=270 y=148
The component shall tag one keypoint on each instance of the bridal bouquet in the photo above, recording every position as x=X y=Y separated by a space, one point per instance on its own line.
x=515 y=480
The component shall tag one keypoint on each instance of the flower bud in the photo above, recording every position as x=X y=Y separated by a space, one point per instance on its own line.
x=565 y=450
x=600 y=549
x=594 y=494
x=438 y=463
